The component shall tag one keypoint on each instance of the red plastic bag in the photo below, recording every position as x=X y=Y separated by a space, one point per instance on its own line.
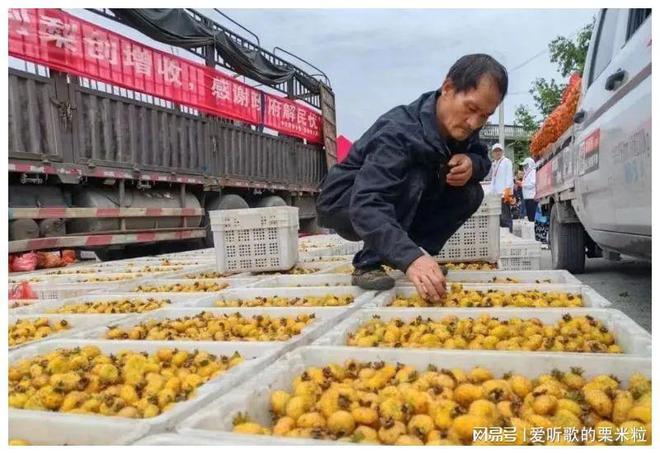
x=22 y=291
x=69 y=256
x=49 y=260
x=24 y=262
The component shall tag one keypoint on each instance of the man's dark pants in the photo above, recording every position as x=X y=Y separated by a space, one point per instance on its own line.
x=437 y=218
x=530 y=206
x=506 y=219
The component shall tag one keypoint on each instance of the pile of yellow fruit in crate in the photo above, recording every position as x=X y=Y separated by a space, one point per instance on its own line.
x=372 y=401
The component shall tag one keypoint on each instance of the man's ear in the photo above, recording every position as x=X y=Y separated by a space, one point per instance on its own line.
x=447 y=87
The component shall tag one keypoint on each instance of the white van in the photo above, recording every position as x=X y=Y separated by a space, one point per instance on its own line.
x=595 y=183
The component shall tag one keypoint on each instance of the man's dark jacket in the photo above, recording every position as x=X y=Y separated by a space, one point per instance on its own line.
x=378 y=187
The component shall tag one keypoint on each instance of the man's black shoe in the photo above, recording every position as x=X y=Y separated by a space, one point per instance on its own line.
x=372 y=279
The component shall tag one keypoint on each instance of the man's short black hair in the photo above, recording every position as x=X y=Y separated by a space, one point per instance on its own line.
x=469 y=69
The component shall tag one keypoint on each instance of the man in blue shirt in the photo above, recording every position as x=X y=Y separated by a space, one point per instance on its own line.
x=413 y=178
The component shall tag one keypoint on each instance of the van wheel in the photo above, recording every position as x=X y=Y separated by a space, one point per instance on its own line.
x=566 y=244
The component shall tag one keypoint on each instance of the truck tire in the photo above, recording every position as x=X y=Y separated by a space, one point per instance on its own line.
x=224 y=202
x=270 y=201
x=566 y=244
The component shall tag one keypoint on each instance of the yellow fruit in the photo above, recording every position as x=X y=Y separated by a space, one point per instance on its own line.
x=646 y=399
x=464 y=426
x=71 y=400
x=638 y=384
x=296 y=407
x=19 y=442
x=278 y=402
x=365 y=415
x=251 y=428
x=466 y=393
x=391 y=408
x=283 y=426
x=480 y=374
x=539 y=421
x=623 y=402
x=329 y=402
x=566 y=418
x=484 y=408
x=408 y=440
x=420 y=426
x=365 y=434
x=639 y=413
x=417 y=400
x=128 y=412
x=570 y=405
x=390 y=431
x=599 y=401
x=341 y=423
x=151 y=411
x=497 y=389
x=520 y=385
x=505 y=408
x=310 y=420
x=545 y=404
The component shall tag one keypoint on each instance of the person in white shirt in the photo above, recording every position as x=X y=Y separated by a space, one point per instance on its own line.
x=502 y=179
x=529 y=187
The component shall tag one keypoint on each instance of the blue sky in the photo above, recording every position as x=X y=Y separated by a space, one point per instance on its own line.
x=377 y=59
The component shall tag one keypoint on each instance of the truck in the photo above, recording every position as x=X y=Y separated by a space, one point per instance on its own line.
x=594 y=182
x=104 y=158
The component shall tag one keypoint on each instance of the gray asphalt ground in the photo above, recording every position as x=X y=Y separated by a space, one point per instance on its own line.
x=626 y=283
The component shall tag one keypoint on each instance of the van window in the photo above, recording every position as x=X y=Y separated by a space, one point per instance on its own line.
x=635 y=20
x=605 y=44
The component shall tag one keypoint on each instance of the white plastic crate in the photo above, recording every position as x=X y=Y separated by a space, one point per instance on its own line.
x=77 y=324
x=233 y=282
x=255 y=358
x=478 y=238
x=55 y=291
x=176 y=439
x=22 y=304
x=329 y=259
x=308 y=280
x=253 y=397
x=631 y=337
x=255 y=239
x=521 y=263
x=522 y=277
x=360 y=297
x=523 y=228
x=519 y=248
x=590 y=298
x=43 y=307
x=323 y=320
x=311 y=268
x=501 y=277
x=71 y=429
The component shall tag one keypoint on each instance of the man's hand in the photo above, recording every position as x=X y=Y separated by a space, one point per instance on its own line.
x=460 y=172
x=425 y=273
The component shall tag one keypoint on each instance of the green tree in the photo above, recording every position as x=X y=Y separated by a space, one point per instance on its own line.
x=546 y=95
x=570 y=55
x=525 y=119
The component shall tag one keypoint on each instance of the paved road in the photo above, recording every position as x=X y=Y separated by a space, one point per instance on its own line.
x=626 y=283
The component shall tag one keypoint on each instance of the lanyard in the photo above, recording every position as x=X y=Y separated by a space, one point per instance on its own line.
x=497 y=169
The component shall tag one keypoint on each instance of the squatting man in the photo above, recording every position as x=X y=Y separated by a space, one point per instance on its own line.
x=414 y=177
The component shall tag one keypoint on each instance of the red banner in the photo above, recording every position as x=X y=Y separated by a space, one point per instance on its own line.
x=291 y=118
x=60 y=41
